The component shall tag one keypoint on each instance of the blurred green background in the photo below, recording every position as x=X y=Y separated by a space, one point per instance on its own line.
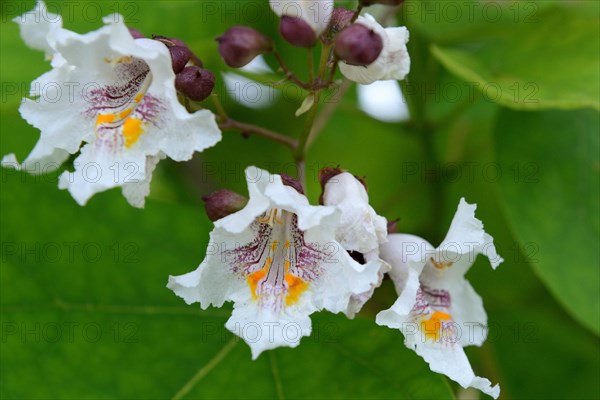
x=84 y=308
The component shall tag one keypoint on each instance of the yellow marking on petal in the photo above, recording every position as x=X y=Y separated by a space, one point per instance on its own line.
x=104 y=119
x=296 y=287
x=132 y=129
x=287 y=266
x=274 y=245
x=139 y=97
x=287 y=244
x=125 y=113
x=433 y=325
x=442 y=265
x=253 y=280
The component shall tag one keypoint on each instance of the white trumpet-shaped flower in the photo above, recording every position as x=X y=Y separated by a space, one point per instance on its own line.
x=278 y=261
x=112 y=99
x=393 y=63
x=437 y=310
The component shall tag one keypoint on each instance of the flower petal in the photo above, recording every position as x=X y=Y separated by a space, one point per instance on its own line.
x=451 y=361
x=361 y=229
x=37 y=27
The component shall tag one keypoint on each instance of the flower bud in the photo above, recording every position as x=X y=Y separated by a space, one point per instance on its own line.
x=195 y=82
x=240 y=44
x=223 y=203
x=173 y=42
x=367 y=3
x=358 y=45
x=340 y=18
x=297 y=32
x=180 y=56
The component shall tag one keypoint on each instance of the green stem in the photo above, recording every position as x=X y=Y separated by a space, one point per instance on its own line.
x=288 y=72
x=300 y=151
x=356 y=13
x=310 y=65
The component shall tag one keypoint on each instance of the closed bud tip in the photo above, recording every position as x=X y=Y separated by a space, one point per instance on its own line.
x=179 y=53
x=223 y=203
x=180 y=56
x=340 y=18
x=240 y=44
x=195 y=82
x=358 y=45
x=297 y=32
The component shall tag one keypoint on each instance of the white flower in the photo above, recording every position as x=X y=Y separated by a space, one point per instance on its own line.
x=361 y=230
x=438 y=310
x=317 y=14
x=278 y=261
x=392 y=64
x=113 y=99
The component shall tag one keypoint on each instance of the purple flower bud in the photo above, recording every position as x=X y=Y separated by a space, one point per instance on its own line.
x=240 y=44
x=289 y=181
x=180 y=56
x=195 y=82
x=223 y=203
x=340 y=18
x=136 y=34
x=386 y=2
x=172 y=42
x=358 y=45
x=297 y=32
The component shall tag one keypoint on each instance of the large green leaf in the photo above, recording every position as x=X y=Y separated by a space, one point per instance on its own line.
x=549 y=61
x=86 y=314
x=550 y=192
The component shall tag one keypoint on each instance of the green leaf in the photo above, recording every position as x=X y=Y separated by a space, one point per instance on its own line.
x=552 y=203
x=86 y=314
x=550 y=61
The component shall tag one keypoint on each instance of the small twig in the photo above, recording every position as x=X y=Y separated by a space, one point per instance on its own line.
x=289 y=74
x=220 y=109
x=328 y=111
x=249 y=129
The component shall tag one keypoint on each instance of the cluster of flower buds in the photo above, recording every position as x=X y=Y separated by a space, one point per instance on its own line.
x=191 y=79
